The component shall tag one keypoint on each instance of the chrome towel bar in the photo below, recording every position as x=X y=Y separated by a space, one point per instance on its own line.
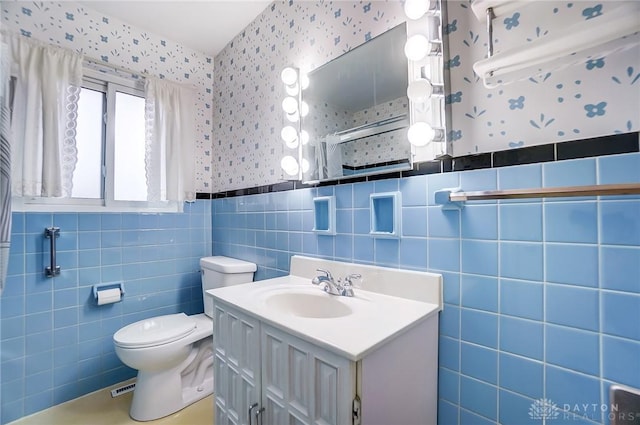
x=454 y=198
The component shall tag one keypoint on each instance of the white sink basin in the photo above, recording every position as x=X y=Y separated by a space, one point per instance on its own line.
x=300 y=304
x=386 y=303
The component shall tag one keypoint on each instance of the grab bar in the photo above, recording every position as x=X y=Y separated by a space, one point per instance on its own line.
x=52 y=233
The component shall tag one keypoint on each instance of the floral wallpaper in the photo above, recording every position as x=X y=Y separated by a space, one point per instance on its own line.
x=247 y=89
x=108 y=40
x=240 y=101
x=592 y=99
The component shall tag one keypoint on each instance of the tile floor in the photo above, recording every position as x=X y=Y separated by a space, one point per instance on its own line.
x=99 y=408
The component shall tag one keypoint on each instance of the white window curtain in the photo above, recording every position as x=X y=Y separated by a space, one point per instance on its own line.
x=47 y=88
x=170 y=134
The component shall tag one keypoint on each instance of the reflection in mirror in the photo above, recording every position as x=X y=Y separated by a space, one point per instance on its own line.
x=359 y=111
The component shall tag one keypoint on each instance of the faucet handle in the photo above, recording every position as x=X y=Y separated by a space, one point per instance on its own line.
x=326 y=272
x=316 y=280
x=348 y=280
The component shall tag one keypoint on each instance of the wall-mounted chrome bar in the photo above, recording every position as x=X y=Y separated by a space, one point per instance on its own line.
x=549 y=192
x=490 y=17
x=52 y=233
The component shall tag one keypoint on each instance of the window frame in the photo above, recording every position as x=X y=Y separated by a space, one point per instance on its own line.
x=109 y=85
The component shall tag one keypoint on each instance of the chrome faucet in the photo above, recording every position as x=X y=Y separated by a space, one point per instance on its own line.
x=330 y=286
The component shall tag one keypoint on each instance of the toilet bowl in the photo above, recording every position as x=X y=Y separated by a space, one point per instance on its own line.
x=174 y=353
x=173 y=356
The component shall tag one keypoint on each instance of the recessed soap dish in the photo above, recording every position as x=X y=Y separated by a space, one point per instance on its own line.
x=385 y=214
x=324 y=215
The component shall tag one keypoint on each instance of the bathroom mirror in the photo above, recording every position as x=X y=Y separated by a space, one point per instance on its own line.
x=359 y=112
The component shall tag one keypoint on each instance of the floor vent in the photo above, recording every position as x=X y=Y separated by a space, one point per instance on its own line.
x=123 y=390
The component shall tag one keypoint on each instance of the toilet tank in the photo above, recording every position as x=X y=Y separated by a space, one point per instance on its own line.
x=219 y=271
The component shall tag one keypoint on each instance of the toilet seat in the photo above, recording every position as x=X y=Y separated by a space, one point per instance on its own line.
x=155 y=331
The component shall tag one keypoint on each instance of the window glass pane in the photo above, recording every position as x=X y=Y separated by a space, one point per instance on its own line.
x=87 y=177
x=129 y=175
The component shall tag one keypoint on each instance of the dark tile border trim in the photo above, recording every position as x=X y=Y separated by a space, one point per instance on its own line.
x=574 y=149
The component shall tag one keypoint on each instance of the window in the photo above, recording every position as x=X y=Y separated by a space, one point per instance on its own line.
x=110 y=172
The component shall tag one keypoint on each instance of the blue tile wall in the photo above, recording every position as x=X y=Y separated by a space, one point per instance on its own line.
x=542 y=296
x=56 y=343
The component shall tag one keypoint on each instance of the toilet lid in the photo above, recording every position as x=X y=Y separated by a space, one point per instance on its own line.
x=155 y=331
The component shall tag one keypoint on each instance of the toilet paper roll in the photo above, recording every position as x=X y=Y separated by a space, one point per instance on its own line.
x=108 y=296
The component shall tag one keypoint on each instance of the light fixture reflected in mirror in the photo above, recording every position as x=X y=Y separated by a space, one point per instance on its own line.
x=304 y=137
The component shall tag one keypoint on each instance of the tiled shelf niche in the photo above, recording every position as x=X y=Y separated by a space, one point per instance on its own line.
x=385 y=214
x=324 y=215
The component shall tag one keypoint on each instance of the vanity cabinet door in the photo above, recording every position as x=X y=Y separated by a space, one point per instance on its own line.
x=304 y=384
x=236 y=340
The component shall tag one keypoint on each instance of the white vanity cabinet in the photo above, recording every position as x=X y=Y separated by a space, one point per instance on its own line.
x=294 y=381
x=287 y=353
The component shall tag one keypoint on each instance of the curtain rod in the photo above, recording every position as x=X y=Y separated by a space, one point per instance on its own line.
x=97 y=62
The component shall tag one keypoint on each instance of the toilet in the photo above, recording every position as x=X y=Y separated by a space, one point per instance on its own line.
x=174 y=353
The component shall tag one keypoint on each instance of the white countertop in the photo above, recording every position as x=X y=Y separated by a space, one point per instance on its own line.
x=375 y=319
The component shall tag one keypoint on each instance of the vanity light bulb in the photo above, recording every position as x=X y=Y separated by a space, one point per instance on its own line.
x=292 y=90
x=420 y=134
x=415 y=9
x=289 y=165
x=304 y=137
x=305 y=165
x=420 y=90
x=293 y=117
x=304 y=109
x=289 y=76
x=417 y=47
x=289 y=134
x=304 y=81
x=290 y=105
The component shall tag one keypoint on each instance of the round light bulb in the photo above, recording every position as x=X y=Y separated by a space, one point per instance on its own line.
x=420 y=134
x=292 y=90
x=293 y=117
x=305 y=165
x=415 y=9
x=417 y=47
x=289 y=134
x=419 y=90
x=304 y=109
x=304 y=81
x=289 y=76
x=304 y=137
x=289 y=165
x=290 y=105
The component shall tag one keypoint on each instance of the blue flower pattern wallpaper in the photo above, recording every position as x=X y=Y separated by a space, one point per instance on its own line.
x=108 y=40
x=247 y=88
x=582 y=101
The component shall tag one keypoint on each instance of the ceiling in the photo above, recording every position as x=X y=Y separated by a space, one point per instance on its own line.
x=206 y=26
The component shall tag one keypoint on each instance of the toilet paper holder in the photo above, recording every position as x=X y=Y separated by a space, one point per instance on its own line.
x=104 y=286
